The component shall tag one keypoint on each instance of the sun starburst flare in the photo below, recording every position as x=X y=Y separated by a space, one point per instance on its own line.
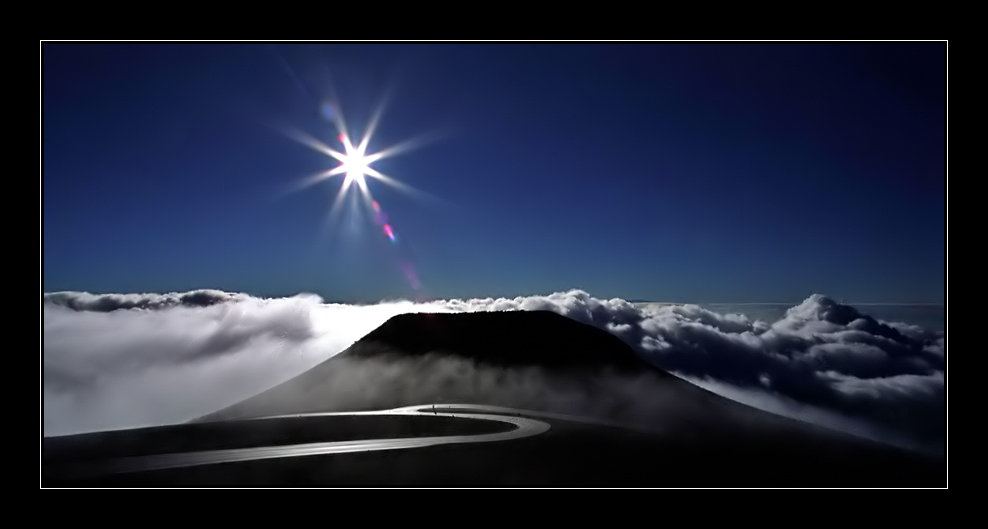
x=355 y=162
x=355 y=166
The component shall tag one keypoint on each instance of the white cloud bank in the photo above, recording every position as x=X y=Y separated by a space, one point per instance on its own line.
x=127 y=360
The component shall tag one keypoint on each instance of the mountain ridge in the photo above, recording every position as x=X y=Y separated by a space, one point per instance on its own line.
x=537 y=360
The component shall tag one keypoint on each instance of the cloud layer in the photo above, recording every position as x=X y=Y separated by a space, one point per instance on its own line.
x=127 y=360
x=107 y=366
x=110 y=302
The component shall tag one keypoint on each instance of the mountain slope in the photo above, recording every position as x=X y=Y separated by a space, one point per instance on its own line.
x=536 y=360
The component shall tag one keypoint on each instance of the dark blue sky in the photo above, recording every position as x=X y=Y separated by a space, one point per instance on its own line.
x=679 y=172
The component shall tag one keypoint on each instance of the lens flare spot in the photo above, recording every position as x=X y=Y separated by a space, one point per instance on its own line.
x=327 y=111
x=389 y=232
x=412 y=276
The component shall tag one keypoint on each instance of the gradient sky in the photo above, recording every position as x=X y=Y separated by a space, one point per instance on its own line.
x=679 y=172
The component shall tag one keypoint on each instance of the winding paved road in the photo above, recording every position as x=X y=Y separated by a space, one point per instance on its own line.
x=524 y=427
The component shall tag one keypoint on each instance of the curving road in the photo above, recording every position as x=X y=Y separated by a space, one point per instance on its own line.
x=524 y=427
x=456 y=410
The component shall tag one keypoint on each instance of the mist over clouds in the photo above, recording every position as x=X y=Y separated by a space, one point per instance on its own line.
x=821 y=353
x=126 y=360
x=170 y=362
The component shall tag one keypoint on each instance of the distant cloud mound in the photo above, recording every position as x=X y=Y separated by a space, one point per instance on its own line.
x=85 y=301
x=123 y=360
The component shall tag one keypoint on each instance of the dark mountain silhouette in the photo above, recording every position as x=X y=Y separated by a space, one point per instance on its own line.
x=505 y=339
x=512 y=358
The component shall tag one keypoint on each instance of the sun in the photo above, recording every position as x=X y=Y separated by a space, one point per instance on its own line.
x=354 y=164
x=354 y=161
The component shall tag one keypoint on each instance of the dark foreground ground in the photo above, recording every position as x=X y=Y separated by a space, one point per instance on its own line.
x=568 y=455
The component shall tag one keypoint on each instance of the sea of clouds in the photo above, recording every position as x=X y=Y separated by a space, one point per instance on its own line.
x=114 y=361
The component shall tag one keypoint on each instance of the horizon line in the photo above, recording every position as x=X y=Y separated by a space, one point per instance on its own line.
x=788 y=303
x=632 y=301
